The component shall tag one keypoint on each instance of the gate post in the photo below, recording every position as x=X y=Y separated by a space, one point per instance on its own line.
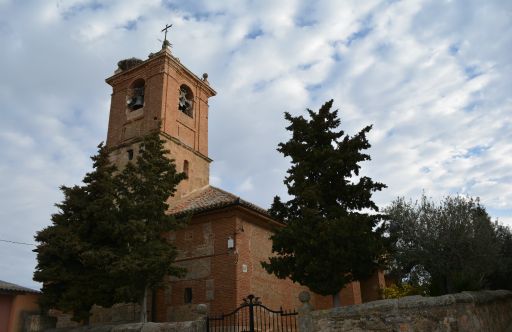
x=251 y=312
x=202 y=322
x=305 y=319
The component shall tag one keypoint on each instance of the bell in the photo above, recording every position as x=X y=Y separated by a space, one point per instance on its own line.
x=136 y=102
x=139 y=101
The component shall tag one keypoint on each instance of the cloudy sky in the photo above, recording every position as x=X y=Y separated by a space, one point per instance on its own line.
x=434 y=78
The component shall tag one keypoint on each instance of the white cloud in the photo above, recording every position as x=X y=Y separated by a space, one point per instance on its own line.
x=215 y=181
x=433 y=77
x=246 y=185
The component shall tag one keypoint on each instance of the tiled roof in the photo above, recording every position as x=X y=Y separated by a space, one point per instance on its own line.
x=210 y=198
x=10 y=287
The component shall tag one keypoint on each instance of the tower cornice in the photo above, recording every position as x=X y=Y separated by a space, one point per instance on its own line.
x=134 y=140
x=165 y=54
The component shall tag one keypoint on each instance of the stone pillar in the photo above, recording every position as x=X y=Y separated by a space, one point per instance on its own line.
x=305 y=319
x=200 y=322
x=36 y=323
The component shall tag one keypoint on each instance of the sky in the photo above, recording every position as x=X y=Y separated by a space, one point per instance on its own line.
x=433 y=77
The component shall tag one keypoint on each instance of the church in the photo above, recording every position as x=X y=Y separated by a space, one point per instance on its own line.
x=227 y=237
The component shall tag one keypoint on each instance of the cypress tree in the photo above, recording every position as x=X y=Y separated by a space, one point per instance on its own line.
x=329 y=240
x=106 y=243
x=76 y=249
x=145 y=256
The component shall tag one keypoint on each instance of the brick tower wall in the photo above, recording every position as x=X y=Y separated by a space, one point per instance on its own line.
x=185 y=136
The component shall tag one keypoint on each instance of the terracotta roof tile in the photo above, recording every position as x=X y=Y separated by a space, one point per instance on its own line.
x=13 y=288
x=209 y=198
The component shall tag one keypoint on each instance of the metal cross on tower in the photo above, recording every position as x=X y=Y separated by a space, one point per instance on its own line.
x=167 y=27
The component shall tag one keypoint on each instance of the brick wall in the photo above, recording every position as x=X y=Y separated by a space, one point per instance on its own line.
x=371 y=288
x=219 y=276
x=125 y=124
x=211 y=267
x=351 y=294
x=199 y=168
x=222 y=277
x=253 y=246
x=186 y=137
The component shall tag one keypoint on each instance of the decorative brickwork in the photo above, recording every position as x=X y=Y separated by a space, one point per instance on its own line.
x=186 y=136
x=219 y=276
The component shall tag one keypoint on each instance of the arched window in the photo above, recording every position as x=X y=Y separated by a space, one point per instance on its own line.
x=186 y=100
x=135 y=97
x=185 y=167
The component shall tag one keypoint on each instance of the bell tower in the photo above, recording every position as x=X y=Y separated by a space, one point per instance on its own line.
x=160 y=91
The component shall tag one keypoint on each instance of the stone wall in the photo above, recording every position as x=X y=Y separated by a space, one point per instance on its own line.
x=35 y=323
x=191 y=326
x=462 y=312
x=197 y=325
x=118 y=313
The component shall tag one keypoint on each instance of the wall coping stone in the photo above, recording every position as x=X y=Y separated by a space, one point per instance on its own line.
x=198 y=325
x=189 y=326
x=416 y=301
x=466 y=310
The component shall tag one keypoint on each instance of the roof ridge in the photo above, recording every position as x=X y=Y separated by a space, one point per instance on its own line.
x=225 y=192
x=9 y=286
x=240 y=198
x=210 y=197
x=194 y=192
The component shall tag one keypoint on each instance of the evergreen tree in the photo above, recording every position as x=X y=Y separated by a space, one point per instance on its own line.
x=75 y=250
x=145 y=256
x=328 y=241
x=106 y=244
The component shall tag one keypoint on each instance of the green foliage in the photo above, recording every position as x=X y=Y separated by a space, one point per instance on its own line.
x=143 y=189
x=453 y=242
x=105 y=244
x=74 y=251
x=396 y=291
x=327 y=241
x=501 y=278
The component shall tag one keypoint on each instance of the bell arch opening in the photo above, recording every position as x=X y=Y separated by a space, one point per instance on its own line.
x=186 y=100
x=135 y=97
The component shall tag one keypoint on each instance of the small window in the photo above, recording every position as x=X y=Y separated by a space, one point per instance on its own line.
x=185 y=167
x=135 y=97
x=188 y=295
x=186 y=99
x=130 y=154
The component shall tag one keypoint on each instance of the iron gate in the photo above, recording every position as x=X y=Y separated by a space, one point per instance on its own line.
x=253 y=316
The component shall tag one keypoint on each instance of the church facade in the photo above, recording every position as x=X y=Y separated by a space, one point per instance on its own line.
x=226 y=237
